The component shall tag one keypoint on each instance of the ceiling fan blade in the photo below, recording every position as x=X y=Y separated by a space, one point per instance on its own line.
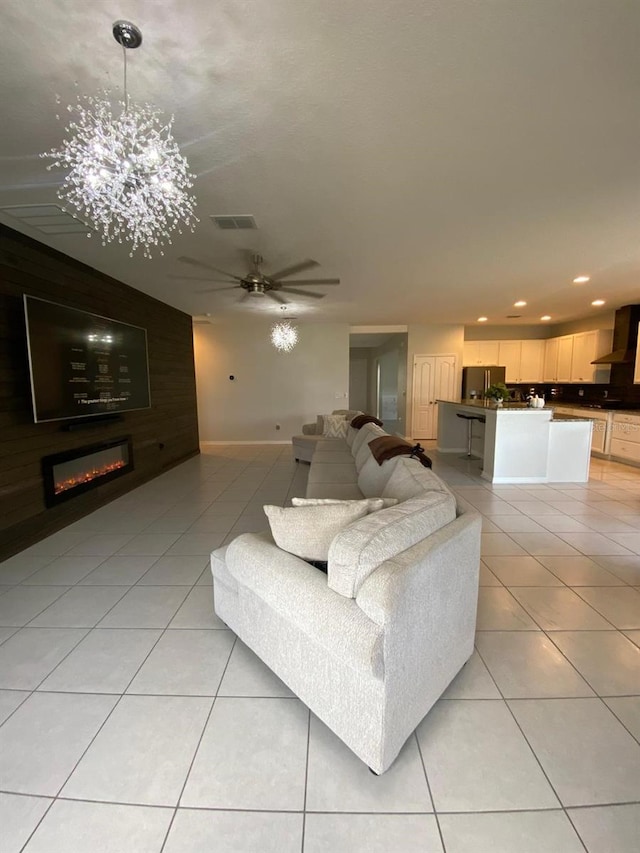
x=197 y=278
x=194 y=263
x=312 y=281
x=287 y=271
x=304 y=293
x=245 y=297
x=219 y=289
x=277 y=296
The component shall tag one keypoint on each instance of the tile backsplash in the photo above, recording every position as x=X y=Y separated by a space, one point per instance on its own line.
x=620 y=390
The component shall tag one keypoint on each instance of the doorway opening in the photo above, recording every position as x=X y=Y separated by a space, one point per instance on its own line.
x=378 y=376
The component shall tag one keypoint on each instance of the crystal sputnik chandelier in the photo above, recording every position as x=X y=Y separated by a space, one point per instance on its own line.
x=284 y=336
x=127 y=177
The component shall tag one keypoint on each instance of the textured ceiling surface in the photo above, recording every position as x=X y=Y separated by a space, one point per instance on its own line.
x=444 y=158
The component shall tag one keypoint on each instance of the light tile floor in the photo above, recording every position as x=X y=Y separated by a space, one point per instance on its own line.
x=133 y=721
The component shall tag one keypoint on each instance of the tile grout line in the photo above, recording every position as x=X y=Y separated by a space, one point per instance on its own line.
x=197 y=748
x=533 y=752
x=431 y=797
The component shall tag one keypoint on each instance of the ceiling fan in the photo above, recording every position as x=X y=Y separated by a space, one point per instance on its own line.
x=256 y=283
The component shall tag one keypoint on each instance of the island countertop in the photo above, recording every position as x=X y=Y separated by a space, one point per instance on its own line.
x=516 y=443
x=519 y=407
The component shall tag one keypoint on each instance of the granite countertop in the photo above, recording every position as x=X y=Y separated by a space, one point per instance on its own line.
x=498 y=407
x=588 y=408
x=550 y=405
x=556 y=417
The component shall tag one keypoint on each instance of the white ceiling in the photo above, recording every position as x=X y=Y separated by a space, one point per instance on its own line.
x=442 y=157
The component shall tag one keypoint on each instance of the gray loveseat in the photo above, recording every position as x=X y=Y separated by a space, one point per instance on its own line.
x=372 y=645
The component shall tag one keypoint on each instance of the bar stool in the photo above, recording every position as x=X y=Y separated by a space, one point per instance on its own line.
x=470 y=419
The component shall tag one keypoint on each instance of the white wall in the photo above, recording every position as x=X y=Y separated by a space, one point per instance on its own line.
x=269 y=387
x=432 y=340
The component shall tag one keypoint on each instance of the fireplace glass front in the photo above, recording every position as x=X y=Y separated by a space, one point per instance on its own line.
x=76 y=471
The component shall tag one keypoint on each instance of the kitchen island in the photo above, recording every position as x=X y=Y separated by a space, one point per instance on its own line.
x=517 y=444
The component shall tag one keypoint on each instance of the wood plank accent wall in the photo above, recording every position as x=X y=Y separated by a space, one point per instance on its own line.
x=163 y=435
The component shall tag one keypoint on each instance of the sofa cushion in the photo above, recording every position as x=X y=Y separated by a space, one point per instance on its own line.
x=365 y=434
x=362 y=546
x=373 y=503
x=409 y=479
x=344 y=491
x=370 y=504
x=372 y=477
x=351 y=434
x=331 y=472
x=307 y=531
x=363 y=453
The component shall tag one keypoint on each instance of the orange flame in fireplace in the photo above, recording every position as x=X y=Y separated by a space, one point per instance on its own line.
x=87 y=476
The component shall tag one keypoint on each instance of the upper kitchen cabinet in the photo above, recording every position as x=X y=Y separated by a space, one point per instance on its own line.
x=523 y=360
x=509 y=357
x=550 y=372
x=532 y=361
x=481 y=353
x=588 y=346
x=568 y=359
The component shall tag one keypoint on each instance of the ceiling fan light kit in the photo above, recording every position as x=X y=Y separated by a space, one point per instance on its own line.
x=126 y=175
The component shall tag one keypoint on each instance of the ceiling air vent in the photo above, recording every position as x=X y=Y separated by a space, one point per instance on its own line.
x=46 y=218
x=513 y=316
x=234 y=223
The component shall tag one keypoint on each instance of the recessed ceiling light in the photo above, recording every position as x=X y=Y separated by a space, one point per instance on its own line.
x=545 y=317
x=598 y=302
x=519 y=304
x=482 y=319
x=581 y=279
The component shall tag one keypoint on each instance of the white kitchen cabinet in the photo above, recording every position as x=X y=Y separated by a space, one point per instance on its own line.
x=509 y=358
x=588 y=346
x=481 y=353
x=601 y=425
x=523 y=360
x=550 y=371
x=558 y=359
x=625 y=437
x=565 y=358
x=532 y=361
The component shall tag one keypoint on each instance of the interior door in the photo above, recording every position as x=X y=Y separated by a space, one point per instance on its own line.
x=435 y=377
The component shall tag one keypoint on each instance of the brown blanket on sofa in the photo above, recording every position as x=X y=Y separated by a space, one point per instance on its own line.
x=360 y=420
x=388 y=446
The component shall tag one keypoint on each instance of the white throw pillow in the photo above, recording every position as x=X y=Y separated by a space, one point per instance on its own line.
x=335 y=426
x=372 y=504
x=307 y=531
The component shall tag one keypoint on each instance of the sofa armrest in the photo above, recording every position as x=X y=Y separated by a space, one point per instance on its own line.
x=299 y=592
x=309 y=429
x=420 y=584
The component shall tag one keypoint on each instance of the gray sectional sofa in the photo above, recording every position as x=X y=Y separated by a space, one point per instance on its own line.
x=372 y=644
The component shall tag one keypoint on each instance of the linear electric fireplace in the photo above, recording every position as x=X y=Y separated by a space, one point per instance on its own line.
x=76 y=471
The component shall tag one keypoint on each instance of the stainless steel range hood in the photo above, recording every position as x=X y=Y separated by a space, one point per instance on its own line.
x=625 y=337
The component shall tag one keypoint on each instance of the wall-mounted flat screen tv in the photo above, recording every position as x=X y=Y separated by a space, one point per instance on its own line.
x=83 y=365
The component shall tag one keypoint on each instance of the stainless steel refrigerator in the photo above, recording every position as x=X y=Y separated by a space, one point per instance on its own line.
x=478 y=379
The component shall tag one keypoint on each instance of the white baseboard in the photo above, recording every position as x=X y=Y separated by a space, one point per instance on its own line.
x=255 y=441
